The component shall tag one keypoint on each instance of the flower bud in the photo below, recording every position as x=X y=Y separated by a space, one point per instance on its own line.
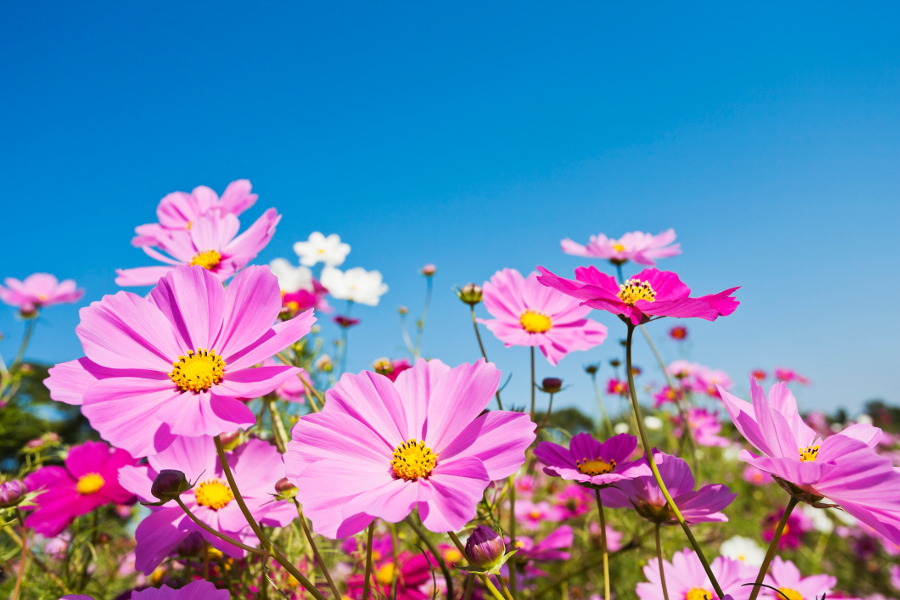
x=383 y=366
x=485 y=548
x=470 y=294
x=285 y=489
x=591 y=369
x=551 y=385
x=169 y=484
x=12 y=493
x=615 y=363
x=402 y=310
x=324 y=364
x=429 y=270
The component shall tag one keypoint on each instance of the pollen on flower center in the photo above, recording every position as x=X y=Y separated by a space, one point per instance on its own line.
x=595 y=467
x=413 y=460
x=90 y=483
x=209 y=260
x=535 y=322
x=699 y=594
x=634 y=289
x=198 y=371
x=809 y=453
x=618 y=247
x=213 y=494
x=791 y=594
x=385 y=575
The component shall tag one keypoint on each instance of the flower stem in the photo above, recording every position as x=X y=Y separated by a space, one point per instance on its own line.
x=484 y=578
x=650 y=459
x=23 y=564
x=315 y=549
x=512 y=533
x=278 y=430
x=420 y=324
x=20 y=355
x=440 y=559
x=367 y=582
x=504 y=588
x=532 y=383
x=395 y=564
x=773 y=547
x=547 y=416
x=603 y=547
x=483 y=353
x=218 y=534
x=662 y=572
x=21 y=543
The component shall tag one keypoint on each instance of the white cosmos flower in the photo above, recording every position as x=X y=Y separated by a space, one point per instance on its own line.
x=291 y=278
x=653 y=423
x=743 y=549
x=356 y=284
x=621 y=428
x=320 y=249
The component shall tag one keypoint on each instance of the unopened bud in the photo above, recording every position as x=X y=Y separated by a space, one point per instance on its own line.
x=551 y=385
x=285 y=488
x=591 y=369
x=12 y=493
x=615 y=363
x=169 y=484
x=429 y=270
x=485 y=548
x=470 y=293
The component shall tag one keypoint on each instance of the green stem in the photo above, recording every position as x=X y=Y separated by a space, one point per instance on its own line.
x=512 y=534
x=278 y=430
x=29 y=330
x=533 y=386
x=315 y=549
x=503 y=587
x=420 y=324
x=23 y=561
x=773 y=547
x=218 y=534
x=659 y=480
x=603 y=547
x=483 y=353
x=395 y=564
x=367 y=582
x=40 y=564
x=484 y=578
x=547 y=416
x=659 y=558
x=437 y=555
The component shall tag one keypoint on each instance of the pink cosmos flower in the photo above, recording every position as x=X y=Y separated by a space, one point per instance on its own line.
x=617 y=386
x=256 y=465
x=895 y=576
x=666 y=395
x=178 y=211
x=758 y=374
x=613 y=537
x=37 y=291
x=531 y=515
x=212 y=242
x=179 y=361
x=391 y=368
x=369 y=454
x=705 y=427
x=790 y=376
x=843 y=467
x=415 y=573
x=573 y=501
x=678 y=333
x=755 y=476
x=551 y=547
x=785 y=577
x=643 y=493
x=798 y=524
x=686 y=578
x=591 y=462
x=527 y=313
x=88 y=480
x=637 y=246
x=525 y=486
x=708 y=380
x=650 y=293
x=196 y=590
x=301 y=300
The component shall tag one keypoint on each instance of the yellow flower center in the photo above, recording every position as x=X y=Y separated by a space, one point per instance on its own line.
x=385 y=575
x=595 y=467
x=535 y=322
x=383 y=366
x=452 y=555
x=809 y=453
x=209 y=260
x=634 y=289
x=535 y=514
x=413 y=460
x=213 y=494
x=91 y=483
x=618 y=247
x=791 y=594
x=699 y=594
x=198 y=371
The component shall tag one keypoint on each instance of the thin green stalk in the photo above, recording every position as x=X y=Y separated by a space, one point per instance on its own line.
x=547 y=416
x=603 y=547
x=512 y=534
x=29 y=330
x=662 y=572
x=40 y=564
x=503 y=587
x=367 y=582
x=217 y=533
x=395 y=564
x=773 y=547
x=483 y=353
x=278 y=430
x=533 y=386
x=344 y=329
x=315 y=549
x=23 y=561
x=420 y=324
x=484 y=578
x=659 y=480
x=437 y=555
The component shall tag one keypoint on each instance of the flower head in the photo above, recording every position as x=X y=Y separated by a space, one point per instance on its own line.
x=391 y=368
x=88 y=480
x=790 y=376
x=617 y=386
x=356 y=285
x=37 y=291
x=686 y=578
x=529 y=314
x=471 y=293
x=196 y=590
x=320 y=249
x=178 y=363
x=12 y=492
x=485 y=548
x=591 y=462
x=678 y=333
x=665 y=395
x=792 y=535
x=387 y=447
x=650 y=293
x=642 y=248
x=573 y=501
x=758 y=374
x=531 y=515
x=785 y=577
x=755 y=476
x=743 y=549
x=705 y=427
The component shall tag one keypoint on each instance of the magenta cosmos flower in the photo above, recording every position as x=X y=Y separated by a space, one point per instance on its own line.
x=636 y=246
x=785 y=577
x=650 y=293
x=88 y=480
x=196 y=590
x=179 y=361
x=381 y=448
x=590 y=462
x=256 y=466
x=212 y=242
x=843 y=468
x=643 y=493
x=527 y=313
x=37 y=291
x=178 y=211
x=687 y=580
x=705 y=427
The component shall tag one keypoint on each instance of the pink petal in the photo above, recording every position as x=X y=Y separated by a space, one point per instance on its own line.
x=457 y=487
x=192 y=299
x=497 y=439
x=457 y=399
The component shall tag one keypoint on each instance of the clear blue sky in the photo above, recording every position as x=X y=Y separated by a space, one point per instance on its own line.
x=476 y=137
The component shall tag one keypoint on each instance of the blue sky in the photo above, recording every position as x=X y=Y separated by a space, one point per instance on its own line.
x=476 y=137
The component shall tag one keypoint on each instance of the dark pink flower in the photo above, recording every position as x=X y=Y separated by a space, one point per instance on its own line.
x=391 y=368
x=755 y=476
x=344 y=321
x=790 y=376
x=798 y=524
x=758 y=374
x=617 y=386
x=591 y=462
x=678 y=333
x=37 y=291
x=665 y=395
x=196 y=590
x=573 y=501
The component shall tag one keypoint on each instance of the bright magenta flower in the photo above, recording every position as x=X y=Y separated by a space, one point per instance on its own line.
x=650 y=293
x=618 y=387
x=178 y=211
x=368 y=454
x=785 y=577
x=88 y=480
x=687 y=580
x=666 y=395
x=636 y=246
x=179 y=361
x=527 y=313
x=591 y=462
x=843 y=468
x=196 y=590
x=391 y=368
x=37 y=291
x=212 y=242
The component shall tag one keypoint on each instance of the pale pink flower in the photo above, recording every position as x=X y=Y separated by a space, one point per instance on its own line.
x=705 y=427
x=37 y=291
x=531 y=515
x=785 y=577
x=642 y=248
x=755 y=476
x=687 y=580
x=790 y=376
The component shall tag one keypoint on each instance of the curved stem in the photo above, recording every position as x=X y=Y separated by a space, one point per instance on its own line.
x=603 y=547
x=308 y=388
x=440 y=559
x=23 y=560
x=367 y=582
x=315 y=549
x=483 y=353
x=21 y=543
x=218 y=534
x=662 y=572
x=512 y=533
x=503 y=587
x=20 y=355
x=650 y=459
x=484 y=578
x=773 y=547
x=278 y=430
x=547 y=416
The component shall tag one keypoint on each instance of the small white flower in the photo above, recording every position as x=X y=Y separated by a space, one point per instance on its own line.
x=621 y=428
x=323 y=363
x=820 y=520
x=356 y=284
x=320 y=249
x=864 y=418
x=844 y=517
x=653 y=423
x=732 y=453
x=743 y=549
x=291 y=278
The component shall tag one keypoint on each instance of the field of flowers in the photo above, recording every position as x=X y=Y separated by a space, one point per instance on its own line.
x=212 y=445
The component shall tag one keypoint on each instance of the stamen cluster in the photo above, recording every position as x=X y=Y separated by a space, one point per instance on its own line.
x=213 y=493
x=209 y=259
x=412 y=460
x=809 y=453
x=535 y=322
x=595 y=467
x=198 y=371
x=634 y=289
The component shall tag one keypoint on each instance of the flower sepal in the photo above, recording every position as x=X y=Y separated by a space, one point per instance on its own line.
x=495 y=570
x=802 y=495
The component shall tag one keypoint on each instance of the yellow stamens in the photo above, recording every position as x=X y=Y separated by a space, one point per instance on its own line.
x=791 y=594
x=209 y=260
x=413 y=460
x=90 y=483
x=618 y=247
x=452 y=555
x=634 y=289
x=809 y=453
x=213 y=494
x=385 y=575
x=535 y=322
x=594 y=467
x=198 y=371
x=699 y=594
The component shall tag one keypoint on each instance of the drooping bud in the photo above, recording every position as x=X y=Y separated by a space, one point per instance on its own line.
x=592 y=369
x=485 y=548
x=470 y=293
x=429 y=270
x=345 y=322
x=12 y=493
x=551 y=385
x=615 y=363
x=169 y=484
x=285 y=489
